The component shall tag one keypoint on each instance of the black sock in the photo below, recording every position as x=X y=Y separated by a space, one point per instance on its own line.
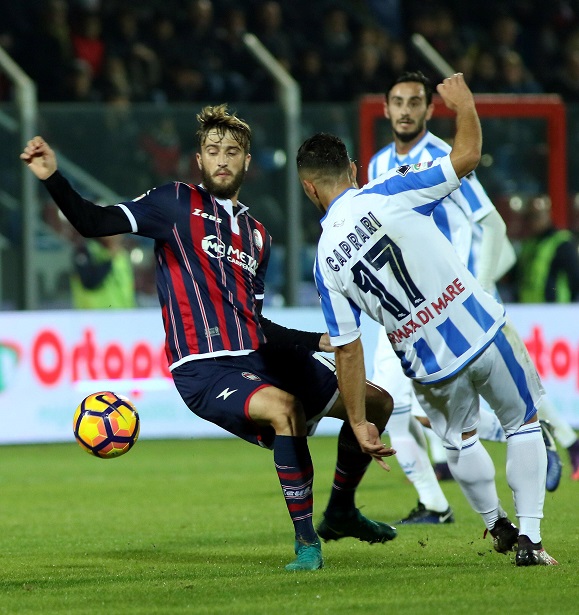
x=351 y=466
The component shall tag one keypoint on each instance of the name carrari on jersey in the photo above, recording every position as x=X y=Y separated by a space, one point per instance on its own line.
x=355 y=239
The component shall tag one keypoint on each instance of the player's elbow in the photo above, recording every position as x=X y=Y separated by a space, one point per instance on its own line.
x=466 y=161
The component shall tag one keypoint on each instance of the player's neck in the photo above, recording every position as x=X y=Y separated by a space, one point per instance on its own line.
x=404 y=147
x=328 y=196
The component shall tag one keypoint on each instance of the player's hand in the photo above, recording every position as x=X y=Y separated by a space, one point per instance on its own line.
x=368 y=437
x=39 y=157
x=325 y=345
x=455 y=93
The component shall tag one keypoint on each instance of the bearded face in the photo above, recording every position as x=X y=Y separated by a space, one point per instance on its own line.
x=408 y=111
x=223 y=183
x=223 y=164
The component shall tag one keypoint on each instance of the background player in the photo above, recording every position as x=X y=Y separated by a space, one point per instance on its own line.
x=211 y=260
x=381 y=252
x=470 y=221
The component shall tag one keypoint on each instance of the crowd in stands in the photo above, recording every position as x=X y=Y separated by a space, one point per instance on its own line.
x=192 y=50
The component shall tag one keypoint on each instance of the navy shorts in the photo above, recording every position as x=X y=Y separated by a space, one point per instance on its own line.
x=219 y=389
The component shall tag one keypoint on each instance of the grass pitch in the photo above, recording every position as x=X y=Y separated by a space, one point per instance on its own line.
x=200 y=526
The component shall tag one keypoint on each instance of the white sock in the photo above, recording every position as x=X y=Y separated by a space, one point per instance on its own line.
x=490 y=428
x=473 y=470
x=564 y=433
x=437 y=450
x=412 y=455
x=526 y=475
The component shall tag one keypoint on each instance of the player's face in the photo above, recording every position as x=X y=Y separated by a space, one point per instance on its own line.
x=408 y=111
x=223 y=164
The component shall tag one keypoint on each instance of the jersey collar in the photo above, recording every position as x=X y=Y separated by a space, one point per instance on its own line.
x=227 y=204
x=334 y=201
x=416 y=150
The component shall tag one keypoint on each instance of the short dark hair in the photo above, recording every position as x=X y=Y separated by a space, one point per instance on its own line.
x=323 y=154
x=413 y=77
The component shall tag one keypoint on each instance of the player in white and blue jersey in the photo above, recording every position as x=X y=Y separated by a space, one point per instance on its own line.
x=380 y=252
x=469 y=220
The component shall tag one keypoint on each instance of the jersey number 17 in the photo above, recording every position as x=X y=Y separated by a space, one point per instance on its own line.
x=385 y=251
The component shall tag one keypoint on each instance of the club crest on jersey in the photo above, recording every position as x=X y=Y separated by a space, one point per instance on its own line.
x=213 y=246
x=257 y=239
x=250 y=376
x=403 y=170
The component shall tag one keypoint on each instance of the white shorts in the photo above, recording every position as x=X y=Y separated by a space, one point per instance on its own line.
x=504 y=375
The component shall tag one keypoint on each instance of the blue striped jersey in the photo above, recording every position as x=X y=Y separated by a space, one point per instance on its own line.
x=210 y=268
x=380 y=252
x=461 y=210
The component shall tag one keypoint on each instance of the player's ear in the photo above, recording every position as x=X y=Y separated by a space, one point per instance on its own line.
x=247 y=161
x=199 y=164
x=309 y=189
x=386 y=113
x=353 y=173
x=429 y=111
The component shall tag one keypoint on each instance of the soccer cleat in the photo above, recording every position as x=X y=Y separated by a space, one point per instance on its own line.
x=554 y=465
x=533 y=554
x=309 y=557
x=421 y=514
x=356 y=526
x=505 y=535
x=442 y=471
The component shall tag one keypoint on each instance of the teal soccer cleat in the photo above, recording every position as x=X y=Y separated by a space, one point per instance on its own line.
x=309 y=557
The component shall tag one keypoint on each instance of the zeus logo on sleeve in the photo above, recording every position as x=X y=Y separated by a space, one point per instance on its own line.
x=202 y=214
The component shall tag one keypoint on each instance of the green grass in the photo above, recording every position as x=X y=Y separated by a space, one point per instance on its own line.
x=200 y=526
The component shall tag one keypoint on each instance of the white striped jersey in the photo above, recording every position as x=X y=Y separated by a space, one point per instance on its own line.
x=461 y=210
x=380 y=252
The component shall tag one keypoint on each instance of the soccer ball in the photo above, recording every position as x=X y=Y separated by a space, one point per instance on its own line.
x=106 y=425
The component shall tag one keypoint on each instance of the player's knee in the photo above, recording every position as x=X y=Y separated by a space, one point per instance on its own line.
x=289 y=418
x=379 y=405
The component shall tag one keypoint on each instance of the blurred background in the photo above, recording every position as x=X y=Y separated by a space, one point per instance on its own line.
x=118 y=84
x=114 y=86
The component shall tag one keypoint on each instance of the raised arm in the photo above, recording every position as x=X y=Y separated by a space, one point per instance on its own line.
x=466 y=150
x=39 y=157
x=89 y=219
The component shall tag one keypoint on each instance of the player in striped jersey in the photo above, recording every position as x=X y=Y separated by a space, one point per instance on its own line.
x=211 y=258
x=470 y=221
x=380 y=252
